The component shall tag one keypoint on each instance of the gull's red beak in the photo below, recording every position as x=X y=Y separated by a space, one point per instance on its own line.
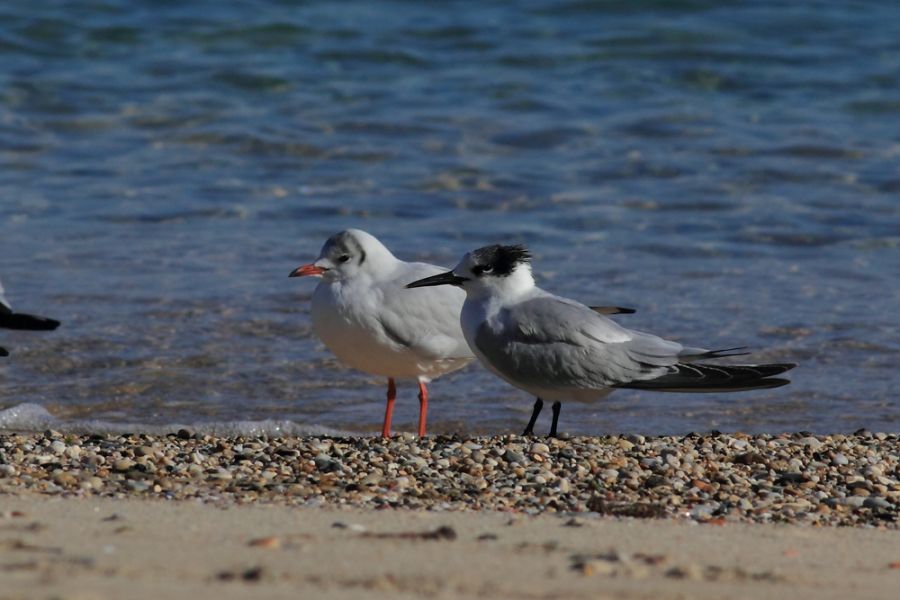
x=305 y=270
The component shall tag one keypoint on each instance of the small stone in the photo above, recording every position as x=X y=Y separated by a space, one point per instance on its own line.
x=123 y=464
x=512 y=456
x=589 y=568
x=371 y=479
x=691 y=572
x=812 y=442
x=540 y=448
x=703 y=486
x=137 y=486
x=876 y=502
x=563 y=485
x=624 y=444
x=839 y=460
x=326 y=464
x=58 y=447
x=64 y=479
x=270 y=543
x=749 y=458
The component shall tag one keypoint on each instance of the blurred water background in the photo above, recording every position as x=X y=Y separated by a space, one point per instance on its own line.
x=728 y=168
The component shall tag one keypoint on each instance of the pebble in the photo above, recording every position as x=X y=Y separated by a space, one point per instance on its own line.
x=514 y=457
x=540 y=448
x=840 y=480
x=123 y=464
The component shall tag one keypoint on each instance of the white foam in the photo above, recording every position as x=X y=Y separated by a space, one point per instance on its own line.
x=34 y=417
x=27 y=417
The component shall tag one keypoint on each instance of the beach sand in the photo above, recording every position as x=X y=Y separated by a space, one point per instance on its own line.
x=96 y=548
x=699 y=516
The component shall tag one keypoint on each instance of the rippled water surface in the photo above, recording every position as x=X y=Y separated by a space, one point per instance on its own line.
x=730 y=169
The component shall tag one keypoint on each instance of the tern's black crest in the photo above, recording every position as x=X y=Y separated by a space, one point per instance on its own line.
x=500 y=260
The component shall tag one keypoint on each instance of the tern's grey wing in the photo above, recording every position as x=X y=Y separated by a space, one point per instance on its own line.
x=552 y=341
x=425 y=319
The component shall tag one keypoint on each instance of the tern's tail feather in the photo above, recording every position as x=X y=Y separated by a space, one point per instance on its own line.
x=11 y=320
x=3 y=352
x=715 y=378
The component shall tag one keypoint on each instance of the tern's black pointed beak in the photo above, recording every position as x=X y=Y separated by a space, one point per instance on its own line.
x=447 y=278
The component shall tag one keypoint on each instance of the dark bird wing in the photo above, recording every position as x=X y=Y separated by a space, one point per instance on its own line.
x=13 y=320
x=612 y=310
x=714 y=378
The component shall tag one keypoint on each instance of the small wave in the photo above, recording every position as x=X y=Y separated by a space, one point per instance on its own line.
x=34 y=417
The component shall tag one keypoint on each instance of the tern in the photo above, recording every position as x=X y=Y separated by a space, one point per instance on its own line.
x=362 y=313
x=558 y=349
x=10 y=319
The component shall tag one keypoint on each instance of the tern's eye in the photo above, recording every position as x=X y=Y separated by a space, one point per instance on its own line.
x=479 y=269
x=343 y=258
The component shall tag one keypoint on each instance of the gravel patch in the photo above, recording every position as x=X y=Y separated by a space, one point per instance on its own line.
x=715 y=478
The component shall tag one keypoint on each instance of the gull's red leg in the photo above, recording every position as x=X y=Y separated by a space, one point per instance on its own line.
x=423 y=407
x=389 y=409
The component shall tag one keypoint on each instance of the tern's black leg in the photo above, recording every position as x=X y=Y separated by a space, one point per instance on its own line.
x=538 y=405
x=556 y=406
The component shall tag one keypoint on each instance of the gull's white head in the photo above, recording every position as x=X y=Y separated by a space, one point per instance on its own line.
x=489 y=271
x=349 y=254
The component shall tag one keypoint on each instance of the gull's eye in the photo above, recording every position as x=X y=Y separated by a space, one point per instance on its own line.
x=343 y=258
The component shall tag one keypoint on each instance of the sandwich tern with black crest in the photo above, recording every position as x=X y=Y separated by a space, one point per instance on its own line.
x=558 y=349
x=365 y=317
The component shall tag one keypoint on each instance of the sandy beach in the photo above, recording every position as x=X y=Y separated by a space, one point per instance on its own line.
x=700 y=516
x=107 y=548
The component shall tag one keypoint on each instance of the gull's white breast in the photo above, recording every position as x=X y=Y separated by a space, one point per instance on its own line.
x=369 y=326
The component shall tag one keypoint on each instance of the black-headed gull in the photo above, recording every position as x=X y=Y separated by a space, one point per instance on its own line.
x=558 y=349
x=362 y=313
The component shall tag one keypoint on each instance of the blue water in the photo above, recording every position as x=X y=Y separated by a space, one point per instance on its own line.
x=730 y=169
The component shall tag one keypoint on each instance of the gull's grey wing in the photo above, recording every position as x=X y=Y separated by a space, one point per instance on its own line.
x=556 y=342
x=424 y=319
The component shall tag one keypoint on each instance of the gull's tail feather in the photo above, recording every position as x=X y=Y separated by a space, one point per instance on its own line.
x=715 y=378
x=22 y=321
